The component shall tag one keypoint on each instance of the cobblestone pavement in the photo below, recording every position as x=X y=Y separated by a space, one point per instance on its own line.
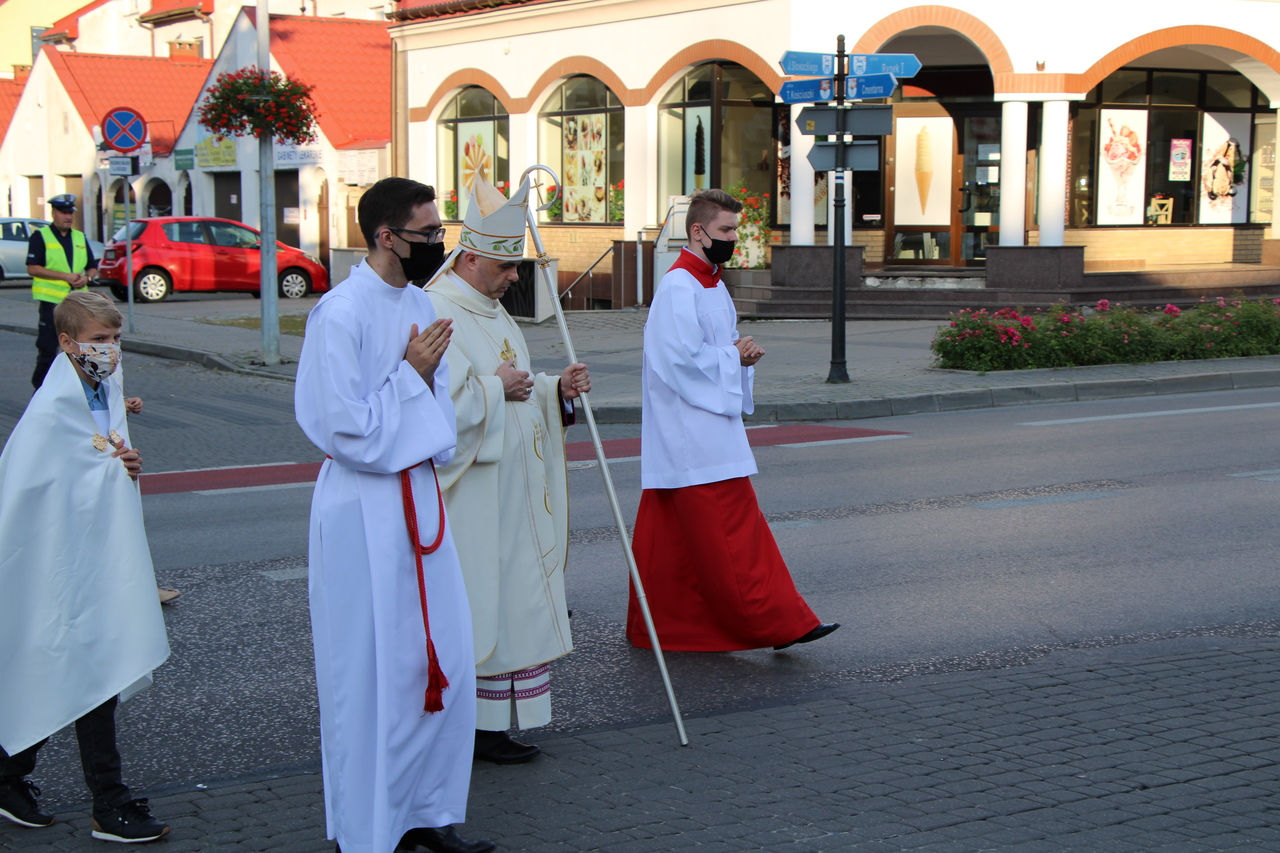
x=1161 y=747
x=1144 y=744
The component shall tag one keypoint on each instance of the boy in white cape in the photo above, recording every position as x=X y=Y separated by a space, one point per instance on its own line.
x=80 y=623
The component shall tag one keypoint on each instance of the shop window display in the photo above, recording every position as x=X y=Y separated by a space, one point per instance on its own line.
x=1162 y=147
x=581 y=137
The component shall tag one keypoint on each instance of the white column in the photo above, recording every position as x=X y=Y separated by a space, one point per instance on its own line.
x=1013 y=173
x=802 y=218
x=1052 y=210
x=522 y=146
x=640 y=164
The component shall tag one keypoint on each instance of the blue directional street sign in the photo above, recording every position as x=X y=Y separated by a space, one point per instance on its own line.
x=808 y=64
x=807 y=91
x=897 y=64
x=870 y=86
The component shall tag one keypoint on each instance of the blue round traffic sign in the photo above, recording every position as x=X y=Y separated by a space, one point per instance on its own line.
x=124 y=129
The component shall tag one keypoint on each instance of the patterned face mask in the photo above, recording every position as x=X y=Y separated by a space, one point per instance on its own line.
x=98 y=361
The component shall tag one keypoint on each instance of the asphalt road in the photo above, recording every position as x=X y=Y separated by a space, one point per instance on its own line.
x=975 y=540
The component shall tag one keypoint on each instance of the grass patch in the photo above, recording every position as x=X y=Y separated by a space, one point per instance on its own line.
x=290 y=324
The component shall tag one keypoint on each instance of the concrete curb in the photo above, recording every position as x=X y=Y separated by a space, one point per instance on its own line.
x=172 y=352
x=857 y=409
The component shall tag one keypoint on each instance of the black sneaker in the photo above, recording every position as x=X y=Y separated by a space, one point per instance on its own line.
x=18 y=804
x=131 y=823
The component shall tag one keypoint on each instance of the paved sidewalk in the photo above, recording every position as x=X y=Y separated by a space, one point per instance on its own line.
x=888 y=362
x=1165 y=746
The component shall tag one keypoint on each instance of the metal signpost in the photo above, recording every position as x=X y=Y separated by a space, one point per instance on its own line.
x=267 y=209
x=873 y=76
x=125 y=131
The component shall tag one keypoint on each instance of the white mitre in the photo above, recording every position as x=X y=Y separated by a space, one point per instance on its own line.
x=494 y=226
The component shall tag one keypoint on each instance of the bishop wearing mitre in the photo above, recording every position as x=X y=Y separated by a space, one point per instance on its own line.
x=506 y=488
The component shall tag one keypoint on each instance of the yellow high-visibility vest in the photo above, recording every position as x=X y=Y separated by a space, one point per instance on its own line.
x=55 y=258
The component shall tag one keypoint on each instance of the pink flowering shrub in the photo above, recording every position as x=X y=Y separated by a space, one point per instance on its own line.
x=1111 y=333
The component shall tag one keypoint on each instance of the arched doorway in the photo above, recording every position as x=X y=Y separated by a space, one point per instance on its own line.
x=942 y=163
x=116 y=219
x=158 y=199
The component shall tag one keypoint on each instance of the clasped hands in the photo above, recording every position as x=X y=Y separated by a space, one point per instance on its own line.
x=748 y=351
x=426 y=350
x=517 y=385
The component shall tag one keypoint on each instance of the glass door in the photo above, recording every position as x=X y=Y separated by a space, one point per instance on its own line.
x=979 y=206
x=922 y=182
x=944 y=178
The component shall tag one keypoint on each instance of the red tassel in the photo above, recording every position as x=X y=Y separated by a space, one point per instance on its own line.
x=436 y=682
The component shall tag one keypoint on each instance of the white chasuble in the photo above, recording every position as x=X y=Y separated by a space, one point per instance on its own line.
x=506 y=488
x=80 y=621
x=388 y=766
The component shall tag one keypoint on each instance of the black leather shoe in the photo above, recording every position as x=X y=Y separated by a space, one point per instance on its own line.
x=443 y=840
x=816 y=634
x=501 y=748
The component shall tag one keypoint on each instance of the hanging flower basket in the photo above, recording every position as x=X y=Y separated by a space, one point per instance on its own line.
x=248 y=103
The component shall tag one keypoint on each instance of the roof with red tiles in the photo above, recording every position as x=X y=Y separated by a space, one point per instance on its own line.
x=162 y=9
x=10 y=92
x=408 y=10
x=349 y=64
x=163 y=90
x=68 y=28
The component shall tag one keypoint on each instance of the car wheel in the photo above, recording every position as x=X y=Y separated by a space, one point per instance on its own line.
x=120 y=293
x=152 y=285
x=294 y=283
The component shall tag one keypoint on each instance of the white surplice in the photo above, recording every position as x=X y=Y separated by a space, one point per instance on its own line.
x=694 y=387
x=388 y=767
x=79 y=618
x=506 y=489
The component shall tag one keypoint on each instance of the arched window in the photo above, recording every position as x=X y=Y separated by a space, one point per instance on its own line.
x=716 y=129
x=580 y=134
x=473 y=132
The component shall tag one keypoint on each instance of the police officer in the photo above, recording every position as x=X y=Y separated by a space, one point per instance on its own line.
x=59 y=260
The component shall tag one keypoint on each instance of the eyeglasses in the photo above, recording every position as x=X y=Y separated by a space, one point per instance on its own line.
x=433 y=235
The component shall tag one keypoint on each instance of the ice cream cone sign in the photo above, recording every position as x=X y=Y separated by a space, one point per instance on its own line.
x=924 y=167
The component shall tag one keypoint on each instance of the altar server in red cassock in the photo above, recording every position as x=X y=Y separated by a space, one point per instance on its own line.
x=711 y=569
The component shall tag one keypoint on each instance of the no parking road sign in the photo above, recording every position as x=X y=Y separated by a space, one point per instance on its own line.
x=124 y=129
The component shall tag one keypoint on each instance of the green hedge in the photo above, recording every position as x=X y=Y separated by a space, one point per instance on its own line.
x=1065 y=336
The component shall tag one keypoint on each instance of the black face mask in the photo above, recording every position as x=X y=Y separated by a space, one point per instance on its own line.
x=423 y=261
x=719 y=251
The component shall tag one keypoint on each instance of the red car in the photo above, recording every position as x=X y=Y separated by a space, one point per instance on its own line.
x=202 y=253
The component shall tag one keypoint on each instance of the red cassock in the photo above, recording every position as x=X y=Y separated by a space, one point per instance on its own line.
x=712 y=573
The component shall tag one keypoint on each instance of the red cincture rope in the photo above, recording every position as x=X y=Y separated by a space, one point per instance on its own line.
x=433 y=701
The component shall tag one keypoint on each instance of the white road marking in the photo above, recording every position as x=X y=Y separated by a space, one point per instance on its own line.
x=285 y=574
x=803 y=444
x=1256 y=473
x=1131 y=415
x=240 y=489
x=591 y=463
